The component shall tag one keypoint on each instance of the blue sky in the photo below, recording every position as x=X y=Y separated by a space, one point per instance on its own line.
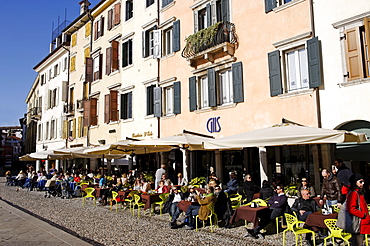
x=26 y=29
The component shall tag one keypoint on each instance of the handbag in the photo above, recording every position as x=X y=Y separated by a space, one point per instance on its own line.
x=348 y=222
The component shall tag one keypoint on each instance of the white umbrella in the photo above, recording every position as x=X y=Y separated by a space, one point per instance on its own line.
x=284 y=134
x=46 y=155
x=80 y=152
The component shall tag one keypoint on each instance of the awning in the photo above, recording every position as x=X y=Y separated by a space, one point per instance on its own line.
x=26 y=158
x=284 y=134
x=47 y=155
x=79 y=152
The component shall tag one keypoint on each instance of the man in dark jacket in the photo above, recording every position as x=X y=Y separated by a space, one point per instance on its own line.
x=330 y=188
x=304 y=205
x=343 y=174
x=223 y=207
x=174 y=198
x=249 y=188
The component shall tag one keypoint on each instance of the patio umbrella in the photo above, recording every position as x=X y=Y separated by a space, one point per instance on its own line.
x=79 y=152
x=47 y=155
x=284 y=134
x=26 y=158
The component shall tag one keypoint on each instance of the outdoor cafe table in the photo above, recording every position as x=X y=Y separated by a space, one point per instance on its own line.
x=123 y=194
x=316 y=220
x=89 y=186
x=248 y=213
x=100 y=191
x=150 y=199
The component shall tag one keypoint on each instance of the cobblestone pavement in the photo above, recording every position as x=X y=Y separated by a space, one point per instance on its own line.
x=98 y=225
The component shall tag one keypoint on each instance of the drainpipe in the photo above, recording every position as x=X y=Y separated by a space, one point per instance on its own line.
x=69 y=54
x=158 y=70
x=91 y=46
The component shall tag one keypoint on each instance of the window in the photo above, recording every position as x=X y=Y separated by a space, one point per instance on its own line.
x=202 y=19
x=112 y=62
x=171 y=99
x=168 y=100
x=129 y=9
x=42 y=80
x=47 y=131
x=296 y=69
x=39 y=131
x=150 y=100
x=203 y=89
x=126 y=106
x=167 y=41
x=86 y=54
x=149 y=2
x=148 y=42
x=52 y=130
x=225 y=85
x=204 y=16
x=73 y=64
x=52 y=96
x=65 y=63
x=271 y=4
x=171 y=39
x=111 y=107
x=114 y=16
x=97 y=67
x=166 y=2
x=87 y=29
x=56 y=70
x=99 y=28
x=70 y=128
x=127 y=53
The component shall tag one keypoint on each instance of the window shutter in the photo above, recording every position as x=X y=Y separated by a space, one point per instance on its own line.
x=353 y=56
x=314 y=62
x=114 y=105
x=110 y=19
x=101 y=26
x=108 y=65
x=209 y=15
x=193 y=93
x=65 y=129
x=86 y=120
x=157 y=36
x=176 y=36
x=89 y=69
x=115 y=55
x=124 y=54
x=93 y=111
x=149 y=100
x=164 y=3
x=196 y=25
x=74 y=39
x=65 y=91
x=127 y=9
x=117 y=13
x=145 y=44
x=86 y=53
x=275 y=73
x=74 y=128
x=122 y=105
x=129 y=105
x=177 y=97
x=107 y=108
x=211 y=74
x=225 y=10
x=367 y=44
x=237 y=71
x=96 y=30
x=80 y=127
x=130 y=51
x=269 y=5
x=100 y=66
x=87 y=29
x=157 y=101
x=73 y=64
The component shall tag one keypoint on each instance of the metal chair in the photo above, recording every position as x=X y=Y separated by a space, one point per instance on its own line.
x=292 y=224
x=211 y=208
x=336 y=232
x=89 y=193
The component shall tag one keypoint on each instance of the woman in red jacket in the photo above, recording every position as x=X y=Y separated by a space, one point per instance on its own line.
x=355 y=197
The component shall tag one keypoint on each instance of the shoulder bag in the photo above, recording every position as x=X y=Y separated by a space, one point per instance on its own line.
x=346 y=221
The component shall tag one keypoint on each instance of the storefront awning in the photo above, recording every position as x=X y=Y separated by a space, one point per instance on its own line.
x=284 y=134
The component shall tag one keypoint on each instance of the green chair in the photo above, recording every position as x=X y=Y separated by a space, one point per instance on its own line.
x=292 y=225
x=336 y=232
x=211 y=208
x=163 y=197
x=114 y=198
x=89 y=193
x=138 y=204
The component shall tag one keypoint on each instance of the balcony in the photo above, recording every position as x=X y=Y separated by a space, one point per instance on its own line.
x=211 y=43
x=69 y=108
x=80 y=105
x=35 y=113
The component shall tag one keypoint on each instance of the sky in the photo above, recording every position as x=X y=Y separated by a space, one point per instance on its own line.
x=24 y=41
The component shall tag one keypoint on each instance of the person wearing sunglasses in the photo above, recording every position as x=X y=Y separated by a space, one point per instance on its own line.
x=174 y=198
x=305 y=185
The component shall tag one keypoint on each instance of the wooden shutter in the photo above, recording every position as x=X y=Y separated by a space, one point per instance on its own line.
x=177 y=97
x=117 y=13
x=74 y=128
x=225 y=12
x=114 y=105
x=64 y=91
x=86 y=119
x=89 y=69
x=87 y=29
x=74 y=39
x=269 y=5
x=65 y=129
x=157 y=101
x=73 y=64
x=127 y=9
x=353 y=54
x=275 y=73
x=129 y=105
x=237 y=71
x=115 y=56
x=93 y=111
x=209 y=15
x=108 y=58
x=176 y=36
x=145 y=42
x=101 y=26
x=107 y=108
x=80 y=127
x=193 y=93
x=100 y=66
x=157 y=40
x=110 y=19
x=314 y=62
x=367 y=46
x=86 y=53
x=212 y=93
x=96 y=30
x=149 y=100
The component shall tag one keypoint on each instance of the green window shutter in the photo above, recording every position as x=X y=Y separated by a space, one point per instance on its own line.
x=212 y=87
x=237 y=70
x=225 y=10
x=177 y=97
x=275 y=73
x=193 y=93
x=209 y=15
x=314 y=62
x=269 y=5
x=176 y=36
x=157 y=101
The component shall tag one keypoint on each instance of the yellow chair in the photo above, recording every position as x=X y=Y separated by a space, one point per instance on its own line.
x=184 y=189
x=292 y=224
x=336 y=232
x=335 y=208
x=211 y=208
x=260 y=202
x=89 y=193
x=138 y=204
x=130 y=199
x=114 y=198
x=163 y=197
x=236 y=201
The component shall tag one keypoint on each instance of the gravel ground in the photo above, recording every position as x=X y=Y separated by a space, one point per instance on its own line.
x=100 y=226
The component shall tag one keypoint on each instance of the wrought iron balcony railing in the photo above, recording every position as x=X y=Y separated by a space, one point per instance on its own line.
x=80 y=104
x=69 y=108
x=214 y=35
x=35 y=111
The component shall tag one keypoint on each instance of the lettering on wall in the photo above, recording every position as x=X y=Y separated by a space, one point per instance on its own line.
x=213 y=125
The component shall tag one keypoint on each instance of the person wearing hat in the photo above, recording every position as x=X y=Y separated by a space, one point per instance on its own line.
x=356 y=205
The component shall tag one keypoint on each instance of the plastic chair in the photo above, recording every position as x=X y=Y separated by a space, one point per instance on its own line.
x=236 y=201
x=184 y=189
x=211 y=208
x=89 y=193
x=336 y=232
x=335 y=208
x=260 y=202
x=292 y=224
x=138 y=204
x=163 y=197
x=130 y=199
x=114 y=198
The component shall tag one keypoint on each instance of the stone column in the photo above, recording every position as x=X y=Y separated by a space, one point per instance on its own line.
x=109 y=166
x=57 y=165
x=185 y=161
x=38 y=166
x=263 y=163
x=218 y=163
x=47 y=167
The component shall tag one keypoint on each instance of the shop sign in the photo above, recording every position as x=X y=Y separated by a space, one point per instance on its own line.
x=213 y=125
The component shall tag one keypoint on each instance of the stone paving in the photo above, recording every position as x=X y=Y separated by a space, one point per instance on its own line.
x=97 y=225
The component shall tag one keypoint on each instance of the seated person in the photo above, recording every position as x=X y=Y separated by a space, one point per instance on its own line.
x=181 y=180
x=145 y=186
x=162 y=188
x=137 y=184
x=305 y=185
x=191 y=195
x=102 y=182
x=223 y=207
x=76 y=178
x=278 y=204
x=266 y=191
x=249 y=188
x=202 y=209
x=174 y=198
x=108 y=193
x=167 y=181
x=232 y=185
x=304 y=205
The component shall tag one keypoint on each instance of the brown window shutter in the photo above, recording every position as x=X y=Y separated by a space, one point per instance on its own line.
x=117 y=13
x=96 y=30
x=114 y=55
x=114 y=105
x=108 y=59
x=106 y=108
x=101 y=26
x=353 y=56
x=74 y=129
x=100 y=66
x=367 y=44
x=110 y=19
x=89 y=69
x=93 y=111
x=86 y=113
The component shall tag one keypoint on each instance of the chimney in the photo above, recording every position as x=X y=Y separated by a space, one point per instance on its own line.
x=84 y=6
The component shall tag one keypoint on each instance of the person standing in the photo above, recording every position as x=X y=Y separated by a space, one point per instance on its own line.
x=330 y=188
x=356 y=205
x=158 y=174
x=305 y=185
x=343 y=174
